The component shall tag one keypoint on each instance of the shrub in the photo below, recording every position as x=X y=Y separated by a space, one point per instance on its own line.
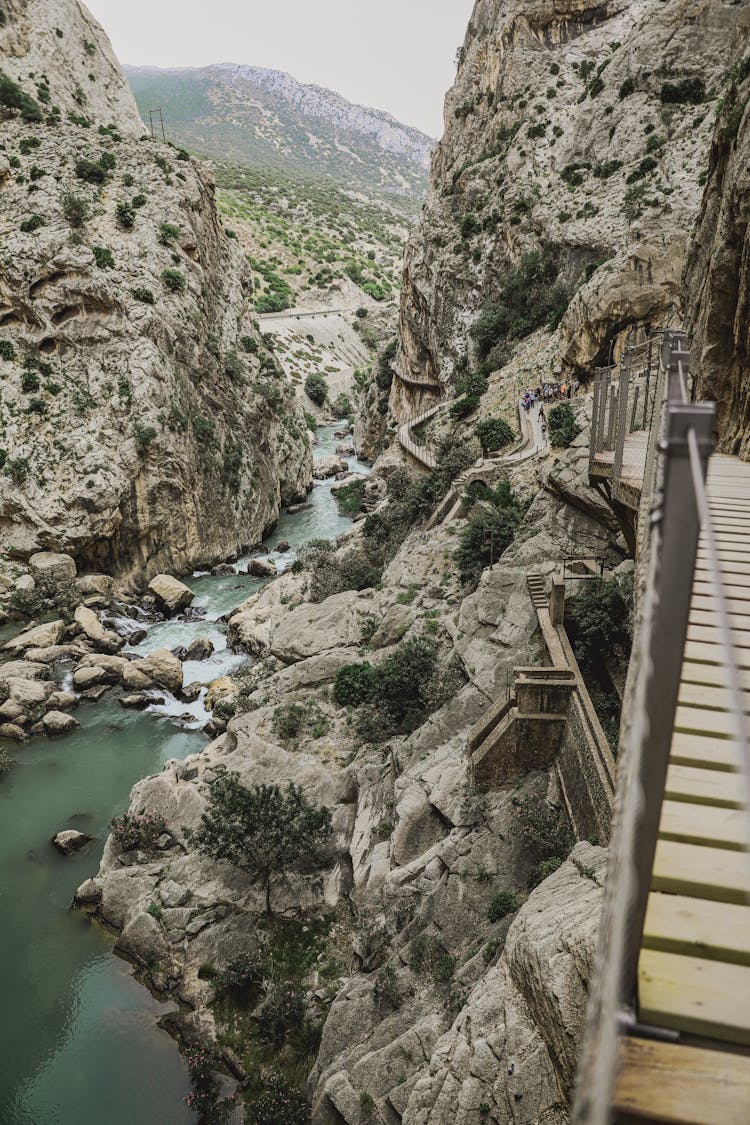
x=108 y=161
x=13 y=97
x=234 y=368
x=34 y=222
x=599 y=622
x=643 y=168
x=316 y=389
x=493 y=433
x=264 y=830
x=626 y=89
x=17 y=468
x=137 y=830
x=689 y=90
x=282 y=1010
x=530 y=297
x=342 y=407
x=470 y=226
x=384 y=372
x=249 y=344
x=90 y=172
x=29 y=381
x=104 y=257
x=545 y=833
x=350 y=498
x=242 y=973
x=354 y=684
x=387 y=987
x=168 y=233
x=144 y=435
x=288 y=720
x=489 y=532
x=173 y=280
x=142 y=294
x=125 y=215
x=563 y=428
x=37 y=406
x=7 y=351
x=75 y=209
x=502 y=904
x=278 y=1103
x=5 y=761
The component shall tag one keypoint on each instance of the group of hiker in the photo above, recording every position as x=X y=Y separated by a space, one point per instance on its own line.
x=549 y=392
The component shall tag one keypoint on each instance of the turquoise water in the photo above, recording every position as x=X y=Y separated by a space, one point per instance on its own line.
x=79 y=1037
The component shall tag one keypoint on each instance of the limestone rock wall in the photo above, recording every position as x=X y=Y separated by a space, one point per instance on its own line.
x=558 y=134
x=717 y=277
x=144 y=425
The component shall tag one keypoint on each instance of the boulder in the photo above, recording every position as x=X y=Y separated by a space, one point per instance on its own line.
x=396 y=622
x=170 y=593
x=113 y=665
x=52 y=653
x=160 y=667
x=89 y=677
x=96 y=584
x=89 y=894
x=223 y=569
x=295 y=509
x=48 y=564
x=136 y=702
x=192 y=691
x=222 y=688
x=58 y=722
x=102 y=639
x=39 y=637
x=13 y=732
x=329 y=466
x=95 y=693
x=69 y=841
x=29 y=693
x=13 y=712
x=62 y=700
x=134 y=679
x=200 y=649
x=261 y=568
x=283 y=545
x=22 y=670
x=25 y=583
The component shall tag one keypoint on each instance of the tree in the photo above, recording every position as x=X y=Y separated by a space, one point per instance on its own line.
x=493 y=433
x=316 y=388
x=563 y=428
x=264 y=830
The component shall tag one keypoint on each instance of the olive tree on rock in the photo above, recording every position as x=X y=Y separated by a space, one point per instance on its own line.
x=265 y=830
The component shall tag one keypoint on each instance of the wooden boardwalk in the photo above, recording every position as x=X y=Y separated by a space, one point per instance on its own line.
x=694 y=968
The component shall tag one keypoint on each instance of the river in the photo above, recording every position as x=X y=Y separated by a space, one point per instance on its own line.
x=79 y=1037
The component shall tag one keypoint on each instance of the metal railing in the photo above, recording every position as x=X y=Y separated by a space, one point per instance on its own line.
x=674 y=515
x=625 y=396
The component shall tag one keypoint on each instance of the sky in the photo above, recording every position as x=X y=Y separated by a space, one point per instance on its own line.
x=396 y=55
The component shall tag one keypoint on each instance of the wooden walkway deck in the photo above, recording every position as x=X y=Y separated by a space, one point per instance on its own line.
x=694 y=969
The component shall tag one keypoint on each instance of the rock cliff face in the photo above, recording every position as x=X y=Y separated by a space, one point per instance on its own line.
x=717 y=279
x=582 y=127
x=145 y=427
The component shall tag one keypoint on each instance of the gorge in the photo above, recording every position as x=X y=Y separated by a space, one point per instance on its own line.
x=430 y=963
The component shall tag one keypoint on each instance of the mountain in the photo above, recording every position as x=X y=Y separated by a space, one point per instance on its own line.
x=266 y=118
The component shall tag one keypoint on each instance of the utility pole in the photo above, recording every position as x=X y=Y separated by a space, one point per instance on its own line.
x=156 y=120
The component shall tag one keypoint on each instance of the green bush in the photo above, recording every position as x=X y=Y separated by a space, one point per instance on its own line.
x=626 y=89
x=691 y=91
x=316 y=388
x=174 y=280
x=494 y=433
x=34 y=222
x=643 y=168
x=108 y=161
x=354 y=685
x=530 y=297
x=278 y=1103
x=144 y=435
x=104 y=257
x=75 y=209
x=142 y=294
x=470 y=226
x=563 y=428
x=234 y=368
x=7 y=351
x=384 y=374
x=489 y=532
x=350 y=498
x=90 y=171
x=545 y=833
x=168 y=233
x=125 y=215
x=249 y=345
x=288 y=720
x=502 y=904
x=342 y=407
x=282 y=1011
x=29 y=381
x=13 y=97
x=600 y=622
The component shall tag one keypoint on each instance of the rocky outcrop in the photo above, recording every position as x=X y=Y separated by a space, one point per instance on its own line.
x=171 y=594
x=717 y=278
x=577 y=127
x=125 y=326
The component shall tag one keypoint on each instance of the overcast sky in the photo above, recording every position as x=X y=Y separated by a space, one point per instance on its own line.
x=395 y=55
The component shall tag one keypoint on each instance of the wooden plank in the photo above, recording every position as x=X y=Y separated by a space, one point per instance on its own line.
x=697 y=786
x=711 y=697
x=694 y=672
x=691 y=869
x=706 y=825
x=700 y=720
x=733 y=579
x=710 y=617
x=695 y=995
x=709 y=602
x=719 y=931
x=701 y=652
x=679 y=1085
x=704 y=753
x=711 y=635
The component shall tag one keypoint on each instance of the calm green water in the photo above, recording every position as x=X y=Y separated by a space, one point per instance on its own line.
x=79 y=1041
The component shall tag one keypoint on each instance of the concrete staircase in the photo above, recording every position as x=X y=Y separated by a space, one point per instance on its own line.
x=538 y=593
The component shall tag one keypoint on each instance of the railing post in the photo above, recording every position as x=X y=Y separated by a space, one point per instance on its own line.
x=612 y=415
x=634 y=411
x=594 y=446
x=622 y=413
x=676 y=540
